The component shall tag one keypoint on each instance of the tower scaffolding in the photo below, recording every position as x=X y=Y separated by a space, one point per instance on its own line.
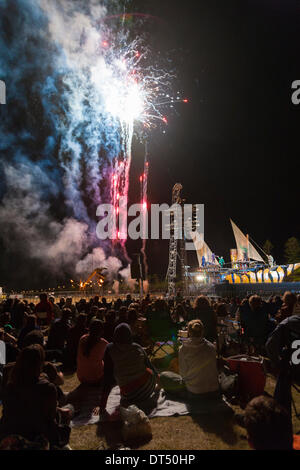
x=173 y=246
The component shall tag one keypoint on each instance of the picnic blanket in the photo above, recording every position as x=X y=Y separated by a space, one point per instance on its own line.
x=86 y=398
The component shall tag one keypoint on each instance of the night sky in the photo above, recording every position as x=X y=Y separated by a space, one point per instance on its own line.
x=235 y=146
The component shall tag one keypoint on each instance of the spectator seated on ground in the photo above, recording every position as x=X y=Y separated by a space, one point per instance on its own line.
x=71 y=307
x=179 y=315
x=123 y=315
x=255 y=321
x=5 y=319
x=109 y=325
x=269 y=426
x=205 y=313
x=132 y=318
x=30 y=402
x=101 y=313
x=227 y=329
x=127 y=364
x=73 y=338
x=31 y=325
x=35 y=337
x=11 y=350
x=59 y=331
x=288 y=306
x=197 y=367
x=18 y=315
x=90 y=355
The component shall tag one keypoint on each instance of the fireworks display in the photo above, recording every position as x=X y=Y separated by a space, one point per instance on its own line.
x=136 y=95
x=91 y=83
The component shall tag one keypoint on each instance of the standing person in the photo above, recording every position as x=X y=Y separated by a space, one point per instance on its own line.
x=205 y=313
x=128 y=300
x=44 y=309
x=90 y=355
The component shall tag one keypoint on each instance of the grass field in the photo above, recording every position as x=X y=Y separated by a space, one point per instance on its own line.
x=175 y=433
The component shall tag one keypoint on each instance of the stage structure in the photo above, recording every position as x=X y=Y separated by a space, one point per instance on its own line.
x=247 y=269
x=178 y=240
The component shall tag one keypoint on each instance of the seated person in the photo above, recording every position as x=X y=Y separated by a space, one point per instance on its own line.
x=288 y=306
x=30 y=402
x=73 y=338
x=269 y=425
x=132 y=322
x=255 y=321
x=90 y=367
x=204 y=312
x=31 y=325
x=123 y=315
x=59 y=332
x=11 y=350
x=197 y=367
x=109 y=325
x=127 y=363
x=49 y=368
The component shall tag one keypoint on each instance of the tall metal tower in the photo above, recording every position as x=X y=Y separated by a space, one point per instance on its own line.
x=173 y=247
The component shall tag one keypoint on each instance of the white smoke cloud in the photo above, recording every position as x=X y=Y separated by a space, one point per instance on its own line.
x=126 y=275
x=97 y=259
x=26 y=220
x=72 y=25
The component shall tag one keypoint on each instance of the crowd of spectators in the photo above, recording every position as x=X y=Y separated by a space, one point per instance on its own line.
x=109 y=343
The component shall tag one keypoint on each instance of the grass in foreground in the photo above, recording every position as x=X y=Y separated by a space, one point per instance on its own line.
x=175 y=433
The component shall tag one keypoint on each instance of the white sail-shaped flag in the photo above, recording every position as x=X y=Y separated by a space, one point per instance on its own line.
x=202 y=249
x=244 y=247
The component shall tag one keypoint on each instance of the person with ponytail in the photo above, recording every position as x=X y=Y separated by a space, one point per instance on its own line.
x=90 y=354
